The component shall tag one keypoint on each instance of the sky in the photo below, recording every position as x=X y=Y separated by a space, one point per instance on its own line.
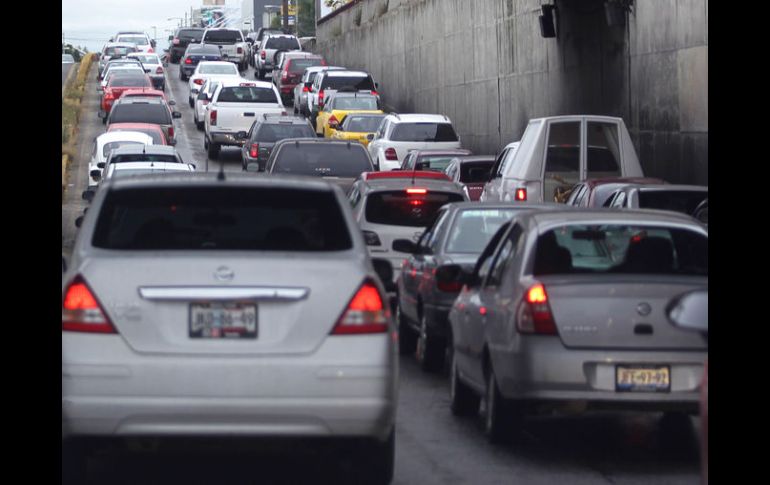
x=90 y=23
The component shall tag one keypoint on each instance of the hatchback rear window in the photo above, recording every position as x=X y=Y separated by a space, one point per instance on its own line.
x=621 y=249
x=225 y=218
x=218 y=69
x=157 y=137
x=322 y=160
x=247 y=94
x=156 y=114
x=299 y=65
x=436 y=132
x=354 y=103
x=684 y=201
x=119 y=81
x=282 y=43
x=362 y=124
x=271 y=133
x=356 y=83
x=475 y=172
x=399 y=208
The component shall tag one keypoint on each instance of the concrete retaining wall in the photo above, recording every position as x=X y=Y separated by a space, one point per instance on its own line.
x=484 y=64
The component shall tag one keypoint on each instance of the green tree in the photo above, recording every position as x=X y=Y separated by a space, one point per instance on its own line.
x=306 y=18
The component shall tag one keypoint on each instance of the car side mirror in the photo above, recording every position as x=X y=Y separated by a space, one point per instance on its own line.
x=689 y=311
x=193 y=165
x=101 y=164
x=405 y=246
x=176 y=114
x=96 y=174
x=79 y=221
x=152 y=43
x=376 y=85
x=88 y=195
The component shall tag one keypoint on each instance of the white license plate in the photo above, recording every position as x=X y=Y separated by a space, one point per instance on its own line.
x=643 y=378
x=223 y=320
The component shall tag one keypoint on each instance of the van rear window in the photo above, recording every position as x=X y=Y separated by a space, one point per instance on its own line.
x=221 y=218
x=399 y=208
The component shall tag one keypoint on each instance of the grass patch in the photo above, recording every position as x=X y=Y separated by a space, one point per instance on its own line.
x=70 y=112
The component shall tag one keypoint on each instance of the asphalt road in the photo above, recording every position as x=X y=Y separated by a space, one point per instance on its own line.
x=432 y=446
x=65 y=69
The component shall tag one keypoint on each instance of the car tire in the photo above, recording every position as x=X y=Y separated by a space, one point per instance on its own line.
x=501 y=416
x=463 y=401
x=407 y=339
x=200 y=125
x=191 y=102
x=213 y=150
x=430 y=350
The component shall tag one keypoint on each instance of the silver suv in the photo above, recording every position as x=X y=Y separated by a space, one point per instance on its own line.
x=265 y=59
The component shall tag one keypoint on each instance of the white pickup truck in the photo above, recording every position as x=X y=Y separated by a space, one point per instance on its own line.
x=558 y=152
x=231 y=43
x=233 y=108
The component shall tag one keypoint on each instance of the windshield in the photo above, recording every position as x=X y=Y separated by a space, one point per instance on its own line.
x=475 y=172
x=472 y=229
x=322 y=160
x=115 y=144
x=362 y=124
x=282 y=43
x=621 y=249
x=133 y=39
x=228 y=218
x=218 y=69
x=270 y=133
x=140 y=113
x=354 y=103
x=247 y=94
x=435 y=132
x=399 y=208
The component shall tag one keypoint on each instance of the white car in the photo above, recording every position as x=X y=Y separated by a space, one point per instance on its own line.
x=105 y=143
x=206 y=69
x=492 y=188
x=121 y=170
x=400 y=134
x=120 y=67
x=199 y=112
x=153 y=67
x=142 y=41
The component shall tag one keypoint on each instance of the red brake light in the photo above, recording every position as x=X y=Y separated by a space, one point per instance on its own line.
x=390 y=154
x=239 y=50
x=188 y=61
x=81 y=312
x=334 y=122
x=150 y=50
x=417 y=191
x=534 y=314
x=198 y=81
x=375 y=93
x=321 y=98
x=305 y=89
x=171 y=132
x=159 y=70
x=521 y=194
x=213 y=118
x=108 y=94
x=365 y=313
x=262 y=54
x=254 y=150
x=175 y=41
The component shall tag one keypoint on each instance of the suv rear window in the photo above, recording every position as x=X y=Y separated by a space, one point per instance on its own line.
x=299 y=65
x=222 y=37
x=357 y=83
x=424 y=132
x=398 y=208
x=322 y=160
x=271 y=132
x=153 y=113
x=221 y=218
x=282 y=43
x=195 y=35
x=246 y=94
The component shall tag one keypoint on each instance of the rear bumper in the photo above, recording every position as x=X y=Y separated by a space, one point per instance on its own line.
x=224 y=138
x=111 y=391
x=541 y=368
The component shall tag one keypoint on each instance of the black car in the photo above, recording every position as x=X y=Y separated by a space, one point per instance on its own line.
x=181 y=39
x=340 y=162
x=193 y=55
x=139 y=109
x=265 y=132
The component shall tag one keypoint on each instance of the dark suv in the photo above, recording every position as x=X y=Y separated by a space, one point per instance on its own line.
x=268 y=130
x=193 y=55
x=153 y=110
x=181 y=39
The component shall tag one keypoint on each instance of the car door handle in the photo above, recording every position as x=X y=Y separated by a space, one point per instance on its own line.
x=248 y=114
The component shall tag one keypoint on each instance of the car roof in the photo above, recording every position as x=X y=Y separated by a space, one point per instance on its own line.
x=140 y=100
x=323 y=141
x=418 y=118
x=125 y=126
x=505 y=205
x=112 y=136
x=325 y=68
x=396 y=182
x=301 y=55
x=211 y=179
x=120 y=44
x=181 y=167
x=202 y=47
x=215 y=63
x=149 y=92
x=446 y=151
x=230 y=82
x=474 y=158
x=145 y=149
x=549 y=219
x=622 y=180
x=278 y=120
x=669 y=187
x=346 y=72
x=577 y=118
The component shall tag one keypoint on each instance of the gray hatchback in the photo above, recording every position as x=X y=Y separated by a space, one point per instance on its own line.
x=269 y=130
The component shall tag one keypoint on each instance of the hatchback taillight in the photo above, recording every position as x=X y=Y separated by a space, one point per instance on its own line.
x=305 y=89
x=390 y=154
x=239 y=50
x=81 y=312
x=262 y=54
x=254 y=150
x=198 y=81
x=213 y=119
x=188 y=61
x=365 y=313
x=159 y=70
x=534 y=313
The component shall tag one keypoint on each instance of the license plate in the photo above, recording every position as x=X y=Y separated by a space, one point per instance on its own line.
x=652 y=378
x=223 y=320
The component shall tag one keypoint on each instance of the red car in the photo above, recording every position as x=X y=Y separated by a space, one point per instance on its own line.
x=290 y=73
x=117 y=85
x=155 y=131
x=594 y=192
x=472 y=172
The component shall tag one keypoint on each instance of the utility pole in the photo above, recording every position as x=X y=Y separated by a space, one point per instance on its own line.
x=285 y=7
x=185 y=19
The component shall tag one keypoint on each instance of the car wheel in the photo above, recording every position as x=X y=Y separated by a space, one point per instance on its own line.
x=464 y=402
x=407 y=340
x=191 y=102
x=501 y=416
x=200 y=125
x=430 y=349
x=213 y=150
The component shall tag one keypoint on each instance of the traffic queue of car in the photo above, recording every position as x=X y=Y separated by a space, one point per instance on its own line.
x=180 y=284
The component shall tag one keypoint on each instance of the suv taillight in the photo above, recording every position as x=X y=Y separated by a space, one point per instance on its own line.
x=159 y=70
x=262 y=54
x=213 y=120
x=321 y=99
x=521 y=194
x=334 y=122
x=390 y=154
x=365 y=313
x=171 y=132
x=81 y=312
x=305 y=89
x=198 y=81
x=254 y=150
x=188 y=61
x=534 y=314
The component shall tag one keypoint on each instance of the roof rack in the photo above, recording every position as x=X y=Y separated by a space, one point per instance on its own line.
x=398 y=174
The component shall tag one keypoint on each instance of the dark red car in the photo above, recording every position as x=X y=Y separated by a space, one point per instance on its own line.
x=290 y=72
x=594 y=192
x=473 y=172
x=118 y=84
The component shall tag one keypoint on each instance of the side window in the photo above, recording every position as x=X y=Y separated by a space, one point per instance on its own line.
x=610 y=200
x=355 y=196
x=498 y=168
x=427 y=237
x=438 y=232
x=603 y=152
x=582 y=191
x=383 y=128
x=562 y=161
x=451 y=170
x=620 y=200
x=503 y=257
x=574 y=195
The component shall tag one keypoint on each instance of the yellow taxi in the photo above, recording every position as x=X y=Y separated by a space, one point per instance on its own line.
x=357 y=126
x=340 y=105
